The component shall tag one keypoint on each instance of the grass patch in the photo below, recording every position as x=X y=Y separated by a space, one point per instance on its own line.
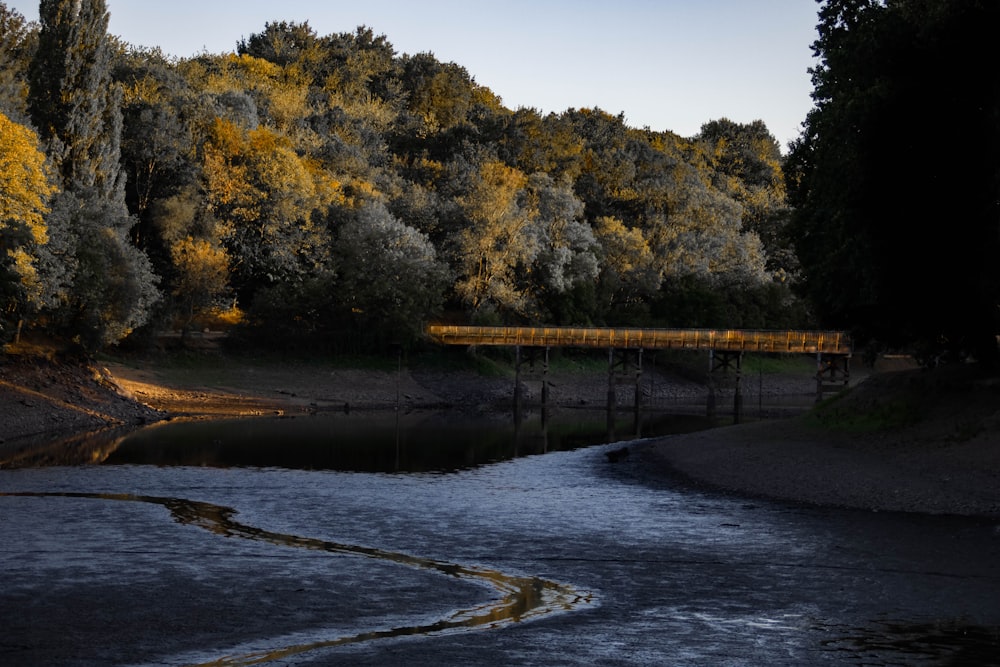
x=766 y=364
x=579 y=361
x=852 y=412
x=483 y=361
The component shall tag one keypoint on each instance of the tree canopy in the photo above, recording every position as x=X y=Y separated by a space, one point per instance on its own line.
x=325 y=189
x=895 y=181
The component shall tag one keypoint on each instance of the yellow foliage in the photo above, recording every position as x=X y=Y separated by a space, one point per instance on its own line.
x=202 y=273
x=227 y=137
x=224 y=317
x=25 y=186
x=139 y=90
x=328 y=189
x=285 y=90
x=255 y=177
x=255 y=68
x=25 y=268
x=625 y=248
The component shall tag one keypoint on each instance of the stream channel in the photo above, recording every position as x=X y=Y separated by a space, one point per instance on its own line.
x=421 y=540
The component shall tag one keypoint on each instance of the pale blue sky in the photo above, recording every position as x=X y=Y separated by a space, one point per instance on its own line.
x=665 y=64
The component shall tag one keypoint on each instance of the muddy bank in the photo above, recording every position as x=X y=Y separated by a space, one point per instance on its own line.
x=44 y=399
x=943 y=458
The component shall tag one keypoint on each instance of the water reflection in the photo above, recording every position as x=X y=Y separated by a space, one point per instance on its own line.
x=375 y=442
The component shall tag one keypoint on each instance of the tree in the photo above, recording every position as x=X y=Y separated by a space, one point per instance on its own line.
x=548 y=145
x=73 y=101
x=265 y=196
x=197 y=278
x=17 y=43
x=440 y=94
x=495 y=248
x=389 y=280
x=282 y=43
x=100 y=287
x=567 y=250
x=628 y=276
x=158 y=153
x=25 y=189
x=747 y=160
x=895 y=178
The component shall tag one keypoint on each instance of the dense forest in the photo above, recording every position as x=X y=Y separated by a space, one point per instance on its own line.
x=895 y=180
x=327 y=192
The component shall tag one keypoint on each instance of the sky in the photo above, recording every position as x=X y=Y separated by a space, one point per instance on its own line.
x=665 y=64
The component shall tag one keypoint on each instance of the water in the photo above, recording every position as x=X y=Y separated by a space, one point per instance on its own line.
x=180 y=554
x=379 y=441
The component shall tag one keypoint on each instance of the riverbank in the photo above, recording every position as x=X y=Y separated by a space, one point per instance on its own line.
x=899 y=441
x=909 y=441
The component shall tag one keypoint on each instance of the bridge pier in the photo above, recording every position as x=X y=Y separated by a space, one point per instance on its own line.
x=624 y=367
x=532 y=354
x=833 y=373
x=722 y=361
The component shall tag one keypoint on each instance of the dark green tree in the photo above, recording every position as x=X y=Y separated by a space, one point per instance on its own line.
x=17 y=43
x=73 y=101
x=280 y=42
x=895 y=178
x=100 y=286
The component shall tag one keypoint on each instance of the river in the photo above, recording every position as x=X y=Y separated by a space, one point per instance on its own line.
x=557 y=558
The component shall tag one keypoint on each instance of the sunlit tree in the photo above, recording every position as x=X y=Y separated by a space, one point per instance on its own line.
x=495 y=248
x=746 y=160
x=628 y=275
x=25 y=189
x=265 y=196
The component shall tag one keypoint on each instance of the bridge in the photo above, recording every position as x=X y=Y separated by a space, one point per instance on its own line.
x=720 y=340
x=726 y=347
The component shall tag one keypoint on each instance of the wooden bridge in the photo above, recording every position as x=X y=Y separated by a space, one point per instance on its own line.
x=625 y=346
x=720 y=340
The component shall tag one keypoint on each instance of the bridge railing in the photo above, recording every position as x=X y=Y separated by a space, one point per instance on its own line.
x=733 y=340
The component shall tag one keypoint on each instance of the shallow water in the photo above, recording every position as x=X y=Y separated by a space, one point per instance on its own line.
x=197 y=564
x=380 y=441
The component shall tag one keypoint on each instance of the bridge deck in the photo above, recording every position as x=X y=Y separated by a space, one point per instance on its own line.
x=730 y=340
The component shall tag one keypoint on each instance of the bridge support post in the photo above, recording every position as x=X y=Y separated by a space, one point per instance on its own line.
x=545 y=387
x=833 y=373
x=624 y=369
x=612 y=393
x=519 y=358
x=722 y=361
x=637 y=408
x=517 y=384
